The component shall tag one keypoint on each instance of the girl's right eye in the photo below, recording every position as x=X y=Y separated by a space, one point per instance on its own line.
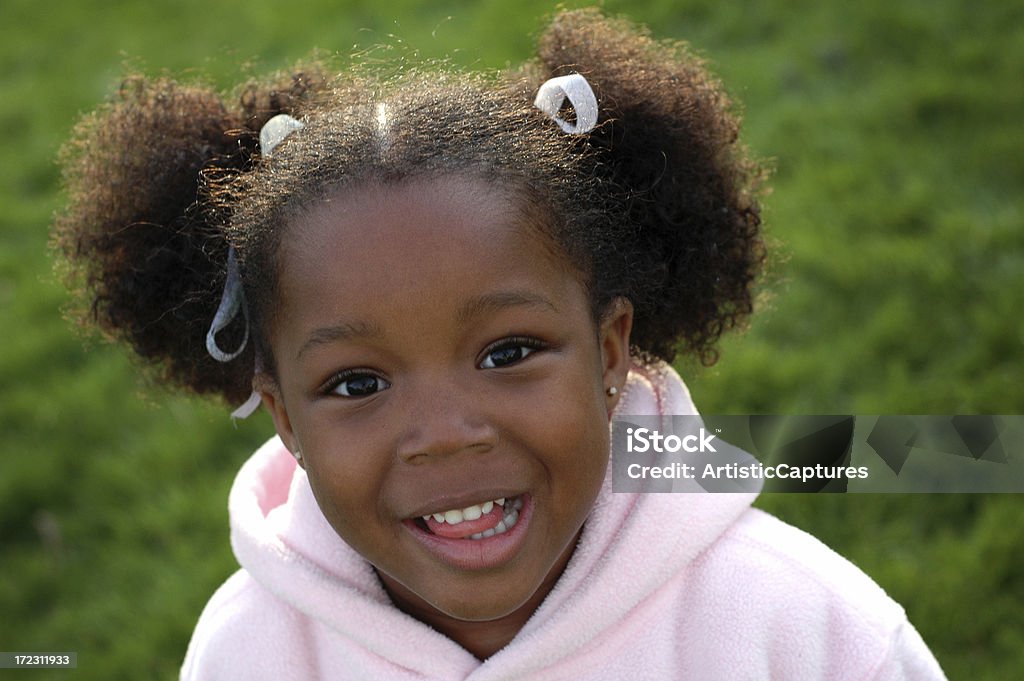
x=351 y=384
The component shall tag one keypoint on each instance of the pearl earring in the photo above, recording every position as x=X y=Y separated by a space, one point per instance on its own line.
x=298 y=455
x=612 y=391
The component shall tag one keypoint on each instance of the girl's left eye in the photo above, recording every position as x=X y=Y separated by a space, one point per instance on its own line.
x=508 y=353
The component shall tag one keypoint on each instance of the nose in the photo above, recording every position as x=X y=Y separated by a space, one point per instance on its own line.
x=445 y=423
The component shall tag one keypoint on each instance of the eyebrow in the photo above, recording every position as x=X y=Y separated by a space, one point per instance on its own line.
x=341 y=332
x=500 y=300
x=488 y=303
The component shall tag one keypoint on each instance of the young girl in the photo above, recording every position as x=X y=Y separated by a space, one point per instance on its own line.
x=441 y=287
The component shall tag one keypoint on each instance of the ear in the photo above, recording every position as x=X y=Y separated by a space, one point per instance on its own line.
x=616 y=324
x=270 y=392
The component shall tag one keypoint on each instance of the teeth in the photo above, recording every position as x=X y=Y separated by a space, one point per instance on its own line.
x=506 y=524
x=474 y=512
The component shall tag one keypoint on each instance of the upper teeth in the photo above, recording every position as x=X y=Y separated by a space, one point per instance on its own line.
x=457 y=515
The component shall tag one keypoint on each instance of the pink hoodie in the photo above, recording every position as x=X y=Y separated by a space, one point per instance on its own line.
x=661 y=586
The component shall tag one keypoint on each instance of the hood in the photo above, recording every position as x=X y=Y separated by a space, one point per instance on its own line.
x=631 y=545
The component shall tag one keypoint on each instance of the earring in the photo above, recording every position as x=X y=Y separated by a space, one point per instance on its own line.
x=612 y=391
x=298 y=455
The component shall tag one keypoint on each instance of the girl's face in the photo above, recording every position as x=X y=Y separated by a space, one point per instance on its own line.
x=434 y=357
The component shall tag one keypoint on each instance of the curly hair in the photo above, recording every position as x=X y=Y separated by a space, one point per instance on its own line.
x=657 y=203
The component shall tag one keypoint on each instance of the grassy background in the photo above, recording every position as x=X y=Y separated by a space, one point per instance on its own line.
x=894 y=126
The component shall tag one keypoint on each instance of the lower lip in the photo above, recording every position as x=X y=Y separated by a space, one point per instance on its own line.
x=477 y=554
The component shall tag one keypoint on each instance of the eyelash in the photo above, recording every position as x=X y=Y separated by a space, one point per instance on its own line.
x=342 y=377
x=515 y=342
x=532 y=344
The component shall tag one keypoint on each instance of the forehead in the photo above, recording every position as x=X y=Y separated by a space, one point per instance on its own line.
x=427 y=242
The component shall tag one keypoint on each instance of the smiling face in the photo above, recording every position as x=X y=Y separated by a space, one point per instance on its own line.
x=434 y=355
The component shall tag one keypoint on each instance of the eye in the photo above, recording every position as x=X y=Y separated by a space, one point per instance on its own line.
x=352 y=384
x=509 y=351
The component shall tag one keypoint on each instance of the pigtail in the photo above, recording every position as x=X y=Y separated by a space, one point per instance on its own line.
x=666 y=149
x=143 y=234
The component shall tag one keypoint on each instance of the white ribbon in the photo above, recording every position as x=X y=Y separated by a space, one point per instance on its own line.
x=276 y=130
x=231 y=301
x=574 y=87
x=248 y=407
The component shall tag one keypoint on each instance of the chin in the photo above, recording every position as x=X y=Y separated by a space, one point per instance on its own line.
x=475 y=609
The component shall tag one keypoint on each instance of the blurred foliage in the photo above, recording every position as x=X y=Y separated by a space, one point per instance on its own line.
x=895 y=132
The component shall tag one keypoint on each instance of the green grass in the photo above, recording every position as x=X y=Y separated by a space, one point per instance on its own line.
x=895 y=131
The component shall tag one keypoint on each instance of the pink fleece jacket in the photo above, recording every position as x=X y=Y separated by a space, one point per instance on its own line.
x=661 y=586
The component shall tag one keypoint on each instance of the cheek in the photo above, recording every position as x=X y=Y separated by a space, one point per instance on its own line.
x=585 y=444
x=571 y=429
x=588 y=440
x=346 y=486
x=337 y=500
x=346 y=458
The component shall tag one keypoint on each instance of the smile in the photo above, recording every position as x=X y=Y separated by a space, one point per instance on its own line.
x=480 y=536
x=476 y=522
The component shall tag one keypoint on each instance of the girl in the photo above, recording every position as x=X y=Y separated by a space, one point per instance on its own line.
x=441 y=287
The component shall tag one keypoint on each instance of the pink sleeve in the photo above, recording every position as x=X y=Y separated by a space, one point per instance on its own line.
x=908 y=659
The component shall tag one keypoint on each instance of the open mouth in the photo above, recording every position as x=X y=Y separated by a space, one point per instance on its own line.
x=476 y=522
